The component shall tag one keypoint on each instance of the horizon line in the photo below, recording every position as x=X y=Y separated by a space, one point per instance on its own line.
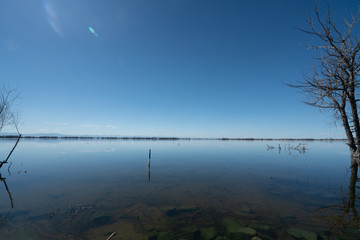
x=104 y=137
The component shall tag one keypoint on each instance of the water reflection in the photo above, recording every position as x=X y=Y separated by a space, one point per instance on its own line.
x=3 y=219
x=343 y=218
x=5 y=162
x=198 y=188
x=8 y=191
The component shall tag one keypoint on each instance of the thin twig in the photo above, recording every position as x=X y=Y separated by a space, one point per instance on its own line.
x=9 y=168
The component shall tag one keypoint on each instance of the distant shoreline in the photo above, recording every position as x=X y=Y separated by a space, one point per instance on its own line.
x=163 y=138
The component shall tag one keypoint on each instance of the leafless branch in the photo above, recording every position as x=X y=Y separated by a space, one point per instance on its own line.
x=8 y=113
x=334 y=81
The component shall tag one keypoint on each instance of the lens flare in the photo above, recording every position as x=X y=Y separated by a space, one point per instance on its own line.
x=93 y=31
x=52 y=17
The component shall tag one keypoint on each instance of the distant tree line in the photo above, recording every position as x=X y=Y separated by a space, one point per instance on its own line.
x=167 y=138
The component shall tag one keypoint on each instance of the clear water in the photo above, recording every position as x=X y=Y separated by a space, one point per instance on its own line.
x=192 y=190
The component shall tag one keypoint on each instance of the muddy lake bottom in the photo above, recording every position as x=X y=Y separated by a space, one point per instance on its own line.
x=89 y=189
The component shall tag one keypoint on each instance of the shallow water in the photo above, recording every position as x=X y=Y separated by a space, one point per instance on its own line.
x=192 y=190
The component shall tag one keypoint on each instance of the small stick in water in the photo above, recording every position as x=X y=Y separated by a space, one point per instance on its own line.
x=111 y=236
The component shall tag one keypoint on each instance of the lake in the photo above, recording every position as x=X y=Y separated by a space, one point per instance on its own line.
x=198 y=189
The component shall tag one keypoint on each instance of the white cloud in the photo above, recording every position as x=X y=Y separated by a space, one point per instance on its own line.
x=111 y=126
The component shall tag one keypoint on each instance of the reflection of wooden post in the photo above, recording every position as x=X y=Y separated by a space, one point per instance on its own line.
x=149 y=156
x=149 y=164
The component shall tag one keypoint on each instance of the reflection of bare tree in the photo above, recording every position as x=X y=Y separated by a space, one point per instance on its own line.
x=343 y=217
x=8 y=191
x=4 y=179
x=3 y=219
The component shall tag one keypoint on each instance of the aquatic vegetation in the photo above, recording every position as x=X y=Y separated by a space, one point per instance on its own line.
x=302 y=234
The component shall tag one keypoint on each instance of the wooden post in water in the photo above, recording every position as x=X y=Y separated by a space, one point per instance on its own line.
x=149 y=155
x=149 y=164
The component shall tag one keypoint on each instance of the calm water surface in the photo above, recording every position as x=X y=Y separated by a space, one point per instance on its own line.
x=192 y=190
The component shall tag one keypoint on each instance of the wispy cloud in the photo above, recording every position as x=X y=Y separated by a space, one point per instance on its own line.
x=42 y=130
x=90 y=125
x=58 y=123
x=109 y=150
x=111 y=126
x=11 y=44
x=89 y=151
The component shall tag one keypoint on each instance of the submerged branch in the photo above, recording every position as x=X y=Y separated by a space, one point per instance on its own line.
x=111 y=236
x=6 y=160
x=301 y=148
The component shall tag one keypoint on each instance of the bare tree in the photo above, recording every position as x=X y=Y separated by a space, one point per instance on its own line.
x=333 y=83
x=9 y=116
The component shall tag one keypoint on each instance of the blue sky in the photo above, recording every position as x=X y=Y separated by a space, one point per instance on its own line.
x=162 y=68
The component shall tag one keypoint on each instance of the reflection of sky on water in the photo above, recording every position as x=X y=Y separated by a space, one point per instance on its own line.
x=56 y=173
x=326 y=155
x=54 y=158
